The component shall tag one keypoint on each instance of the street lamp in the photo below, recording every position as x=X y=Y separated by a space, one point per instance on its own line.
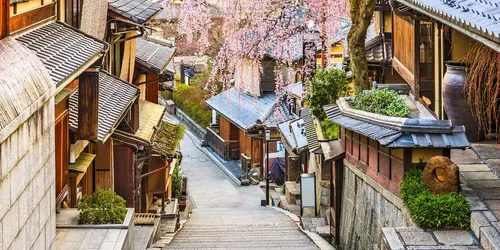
x=268 y=138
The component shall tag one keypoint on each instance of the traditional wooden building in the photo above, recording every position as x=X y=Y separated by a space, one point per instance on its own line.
x=154 y=67
x=426 y=35
x=242 y=119
x=381 y=149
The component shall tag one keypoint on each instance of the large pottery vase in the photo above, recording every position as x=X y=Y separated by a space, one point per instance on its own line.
x=455 y=103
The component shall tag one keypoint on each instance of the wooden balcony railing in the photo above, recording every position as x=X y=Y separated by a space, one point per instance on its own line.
x=227 y=149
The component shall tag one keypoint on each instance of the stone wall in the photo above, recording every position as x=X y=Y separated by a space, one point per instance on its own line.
x=27 y=187
x=367 y=207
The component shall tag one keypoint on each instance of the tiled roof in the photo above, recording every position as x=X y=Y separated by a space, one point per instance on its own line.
x=155 y=56
x=294 y=133
x=115 y=97
x=479 y=16
x=61 y=48
x=23 y=79
x=150 y=115
x=139 y=11
x=244 y=110
x=167 y=138
x=311 y=135
x=409 y=136
x=378 y=50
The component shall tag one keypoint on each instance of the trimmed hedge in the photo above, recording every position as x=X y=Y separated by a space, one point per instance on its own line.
x=433 y=211
x=384 y=102
x=102 y=207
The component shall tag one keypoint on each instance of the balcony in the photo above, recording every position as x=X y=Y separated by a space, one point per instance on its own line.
x=226 y=149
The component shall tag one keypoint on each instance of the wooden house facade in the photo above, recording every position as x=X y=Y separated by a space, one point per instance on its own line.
x=428 y=34
x=382 y=149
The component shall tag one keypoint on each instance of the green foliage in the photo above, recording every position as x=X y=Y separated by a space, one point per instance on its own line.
x=327 y=86
x=191 y=99
x=330 y=129
x=384 y=102
x=102 y=207
x=177 y=183
x=433 y=211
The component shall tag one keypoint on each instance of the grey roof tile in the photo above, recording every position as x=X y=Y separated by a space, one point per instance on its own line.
x=479 y=16
x=154 y=56
x=244 y=109
x=139 y=11
x=61 y=48
x=429 y=138
x=115 y=97
x=311 y=134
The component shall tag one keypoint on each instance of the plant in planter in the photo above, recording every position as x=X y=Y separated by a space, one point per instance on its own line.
x=383 y=102
x=102 y=207
x=433 y=211
x=177 y=184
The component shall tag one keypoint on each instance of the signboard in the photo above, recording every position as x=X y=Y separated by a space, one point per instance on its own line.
x=308 y=190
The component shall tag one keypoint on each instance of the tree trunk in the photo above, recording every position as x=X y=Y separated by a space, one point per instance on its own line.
x=361 y=16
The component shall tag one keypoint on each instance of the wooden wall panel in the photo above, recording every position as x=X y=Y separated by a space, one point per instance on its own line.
x=157 y=181
x=104 y=156
x=234 y=133
x=124 y=161
x=152 y=88
x=257 y=151
x=62 y=151
x=104 y=179
x=245 y=147
x=404 y=44
x=225 y=128
x=22 y=21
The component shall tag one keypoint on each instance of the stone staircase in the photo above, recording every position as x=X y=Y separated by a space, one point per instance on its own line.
x=240 y=228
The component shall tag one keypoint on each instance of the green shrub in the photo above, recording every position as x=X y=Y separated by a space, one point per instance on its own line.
x=330 y=129
x=177 y=183
x=191 y=100
x=327 y=86
x=102 y=207
x=384 y=102
x=433 y=211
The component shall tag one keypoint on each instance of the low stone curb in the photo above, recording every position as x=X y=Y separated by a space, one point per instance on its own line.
x=314 y=237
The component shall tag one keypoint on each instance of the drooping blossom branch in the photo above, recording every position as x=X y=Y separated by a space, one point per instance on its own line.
x=254 y=29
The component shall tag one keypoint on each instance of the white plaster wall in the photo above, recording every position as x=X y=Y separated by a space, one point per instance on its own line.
x=27 y=184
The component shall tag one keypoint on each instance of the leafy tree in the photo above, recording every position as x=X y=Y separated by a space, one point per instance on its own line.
x=327 y=86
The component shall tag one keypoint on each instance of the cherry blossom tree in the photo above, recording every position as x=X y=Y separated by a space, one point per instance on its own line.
x=254 y=29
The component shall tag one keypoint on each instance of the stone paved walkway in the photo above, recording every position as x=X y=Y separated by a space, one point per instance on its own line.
x=229 y=217
x=481 y=186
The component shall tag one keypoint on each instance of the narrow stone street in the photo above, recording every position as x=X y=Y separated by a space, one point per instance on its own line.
x=229 y=217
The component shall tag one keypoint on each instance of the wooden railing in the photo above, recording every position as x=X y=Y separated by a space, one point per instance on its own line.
x=227 y=149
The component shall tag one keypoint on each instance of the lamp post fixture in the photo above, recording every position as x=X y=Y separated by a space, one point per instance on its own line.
x=268 y=138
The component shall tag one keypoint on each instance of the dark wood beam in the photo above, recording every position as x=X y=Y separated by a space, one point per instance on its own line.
x=88 y=105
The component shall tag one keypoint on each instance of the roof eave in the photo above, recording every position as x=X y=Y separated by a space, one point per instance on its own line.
x=489 y=43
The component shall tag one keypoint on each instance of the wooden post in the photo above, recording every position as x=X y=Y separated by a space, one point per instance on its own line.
x=4 y=18
x=416 y=73
x=88 y=105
